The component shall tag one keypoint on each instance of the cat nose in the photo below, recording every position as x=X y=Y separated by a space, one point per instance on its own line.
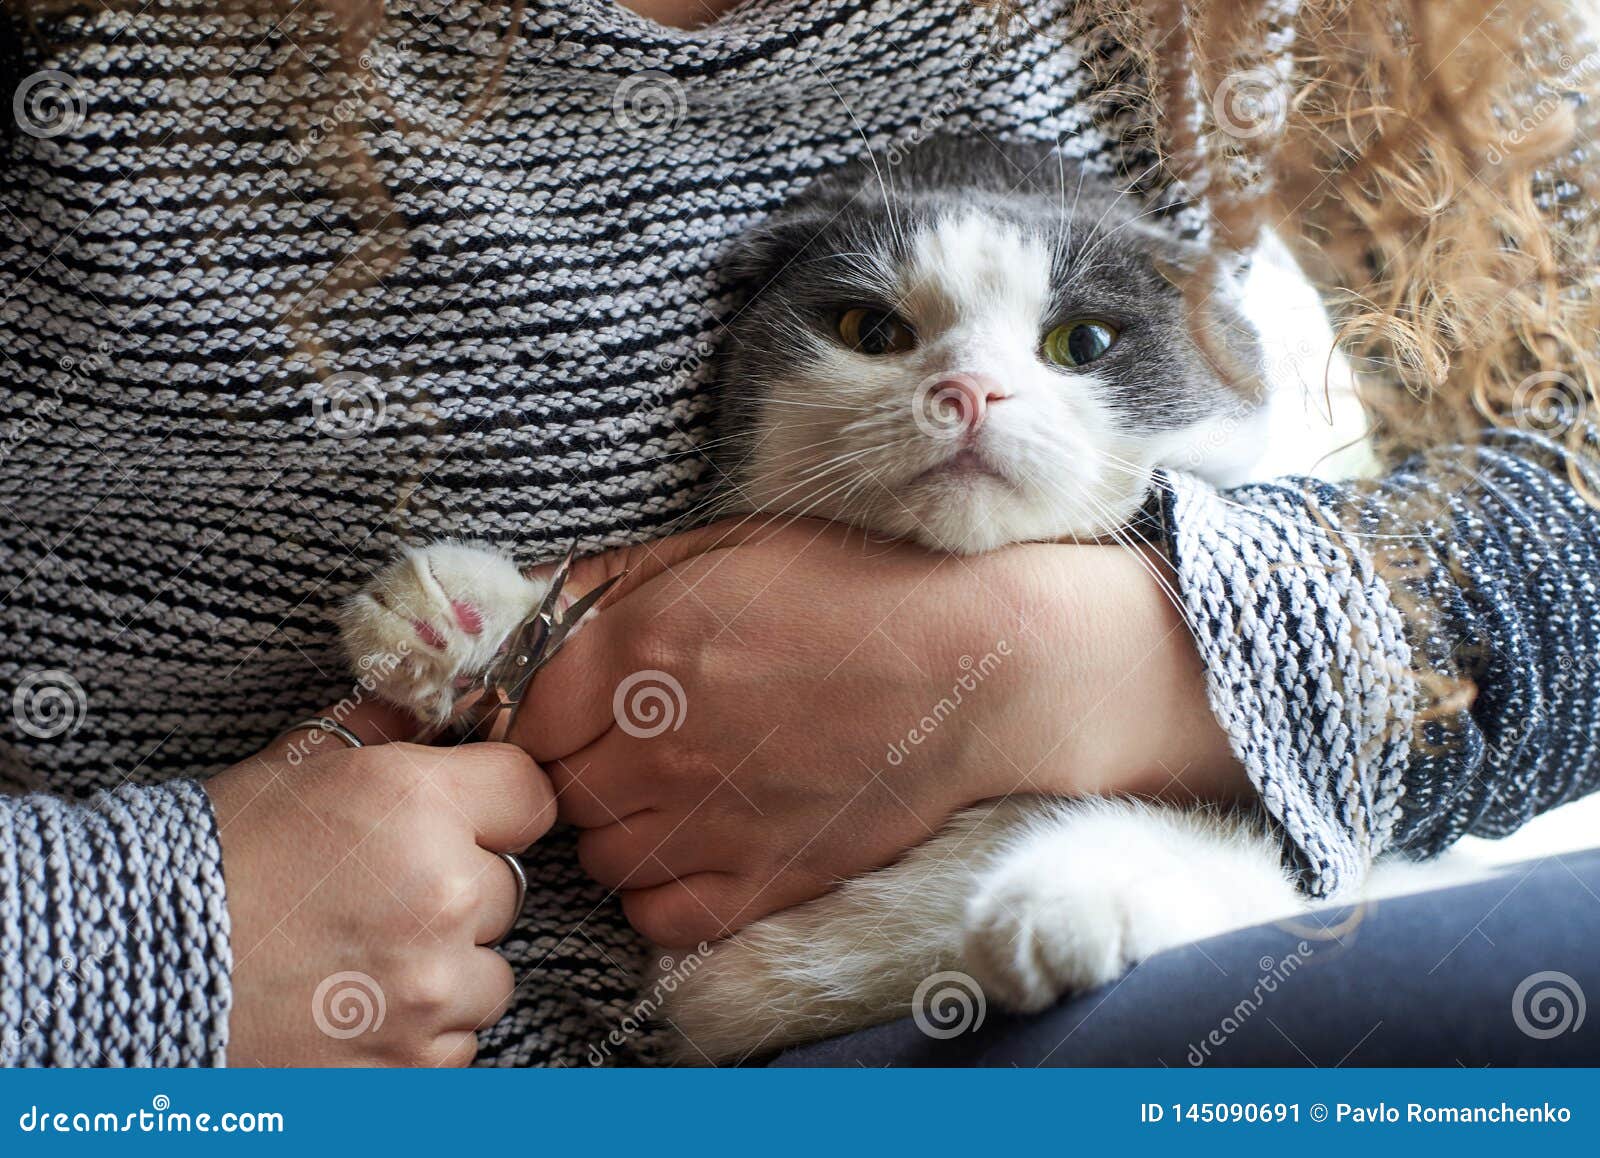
x=964 y=399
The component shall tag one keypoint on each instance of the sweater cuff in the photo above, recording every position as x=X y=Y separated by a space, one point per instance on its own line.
x=1308 y=665
x=113 y=930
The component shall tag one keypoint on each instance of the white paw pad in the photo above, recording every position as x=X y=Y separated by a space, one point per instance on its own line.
x=432 y=620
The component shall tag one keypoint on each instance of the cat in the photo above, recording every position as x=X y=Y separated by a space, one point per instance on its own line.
x=969 y=345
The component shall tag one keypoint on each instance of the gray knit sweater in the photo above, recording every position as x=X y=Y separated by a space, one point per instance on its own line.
x=183 y=497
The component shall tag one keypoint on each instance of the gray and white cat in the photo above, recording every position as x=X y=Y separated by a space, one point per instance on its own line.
x=974 y=346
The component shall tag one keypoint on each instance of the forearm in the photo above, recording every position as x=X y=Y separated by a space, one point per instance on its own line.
x=1138 y=719
x=113 y=930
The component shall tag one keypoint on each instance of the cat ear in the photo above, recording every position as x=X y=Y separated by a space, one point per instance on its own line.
x=1181 y=263
x=761 y=253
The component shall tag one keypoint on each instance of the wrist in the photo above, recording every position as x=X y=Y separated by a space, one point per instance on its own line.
x=1114 y=666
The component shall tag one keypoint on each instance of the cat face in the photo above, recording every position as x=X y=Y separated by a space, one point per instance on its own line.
x=971 y=355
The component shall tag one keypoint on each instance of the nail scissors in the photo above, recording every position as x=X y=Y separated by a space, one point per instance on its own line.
x=491 y=703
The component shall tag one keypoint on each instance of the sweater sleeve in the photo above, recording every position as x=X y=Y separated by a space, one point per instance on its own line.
x=113 y=930
x=1403 y=662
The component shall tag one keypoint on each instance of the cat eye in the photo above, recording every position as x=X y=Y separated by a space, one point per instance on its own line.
x=875 y=332
x=1079 y=342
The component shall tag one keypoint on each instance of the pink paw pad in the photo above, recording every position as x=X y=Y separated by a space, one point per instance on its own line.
x=468 y=616
x=428 y=634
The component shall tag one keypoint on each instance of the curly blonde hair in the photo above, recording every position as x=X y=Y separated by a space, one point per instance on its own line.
x=1439 y=184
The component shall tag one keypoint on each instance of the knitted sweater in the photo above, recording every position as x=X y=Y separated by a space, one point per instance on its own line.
x=511 y=348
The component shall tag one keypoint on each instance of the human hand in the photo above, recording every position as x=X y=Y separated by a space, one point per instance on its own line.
x=366 y=880
x=828 y=701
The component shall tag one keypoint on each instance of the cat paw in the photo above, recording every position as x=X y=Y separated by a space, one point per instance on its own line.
x=432 y=620
x=1081 y=901
x=1027 y=949
x=1034 y=934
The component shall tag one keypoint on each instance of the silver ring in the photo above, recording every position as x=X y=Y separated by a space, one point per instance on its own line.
x=520 y=876
x=324 y=724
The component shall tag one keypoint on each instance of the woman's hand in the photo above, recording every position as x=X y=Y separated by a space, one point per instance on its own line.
x=823 y=702
x=362 y=889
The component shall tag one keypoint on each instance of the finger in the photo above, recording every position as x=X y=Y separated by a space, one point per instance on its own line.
x=453 y=1050
x=706 y=906
x=641 y=852
x=504 y=794
x=373 y=723
x=378 y=723
x=684 y=912
x=498 y=910
x=592 y=793
x=486 y=984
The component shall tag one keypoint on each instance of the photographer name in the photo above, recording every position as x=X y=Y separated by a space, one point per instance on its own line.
x=1382 y=1112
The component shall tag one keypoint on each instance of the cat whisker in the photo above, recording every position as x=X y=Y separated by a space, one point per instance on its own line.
x=810 y=405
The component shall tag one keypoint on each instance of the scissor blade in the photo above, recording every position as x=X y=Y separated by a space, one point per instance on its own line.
x=551 y=643
x=581 y=607
x=552 y=597
x=525 y=641
x=530 y=639
x=572 y=616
